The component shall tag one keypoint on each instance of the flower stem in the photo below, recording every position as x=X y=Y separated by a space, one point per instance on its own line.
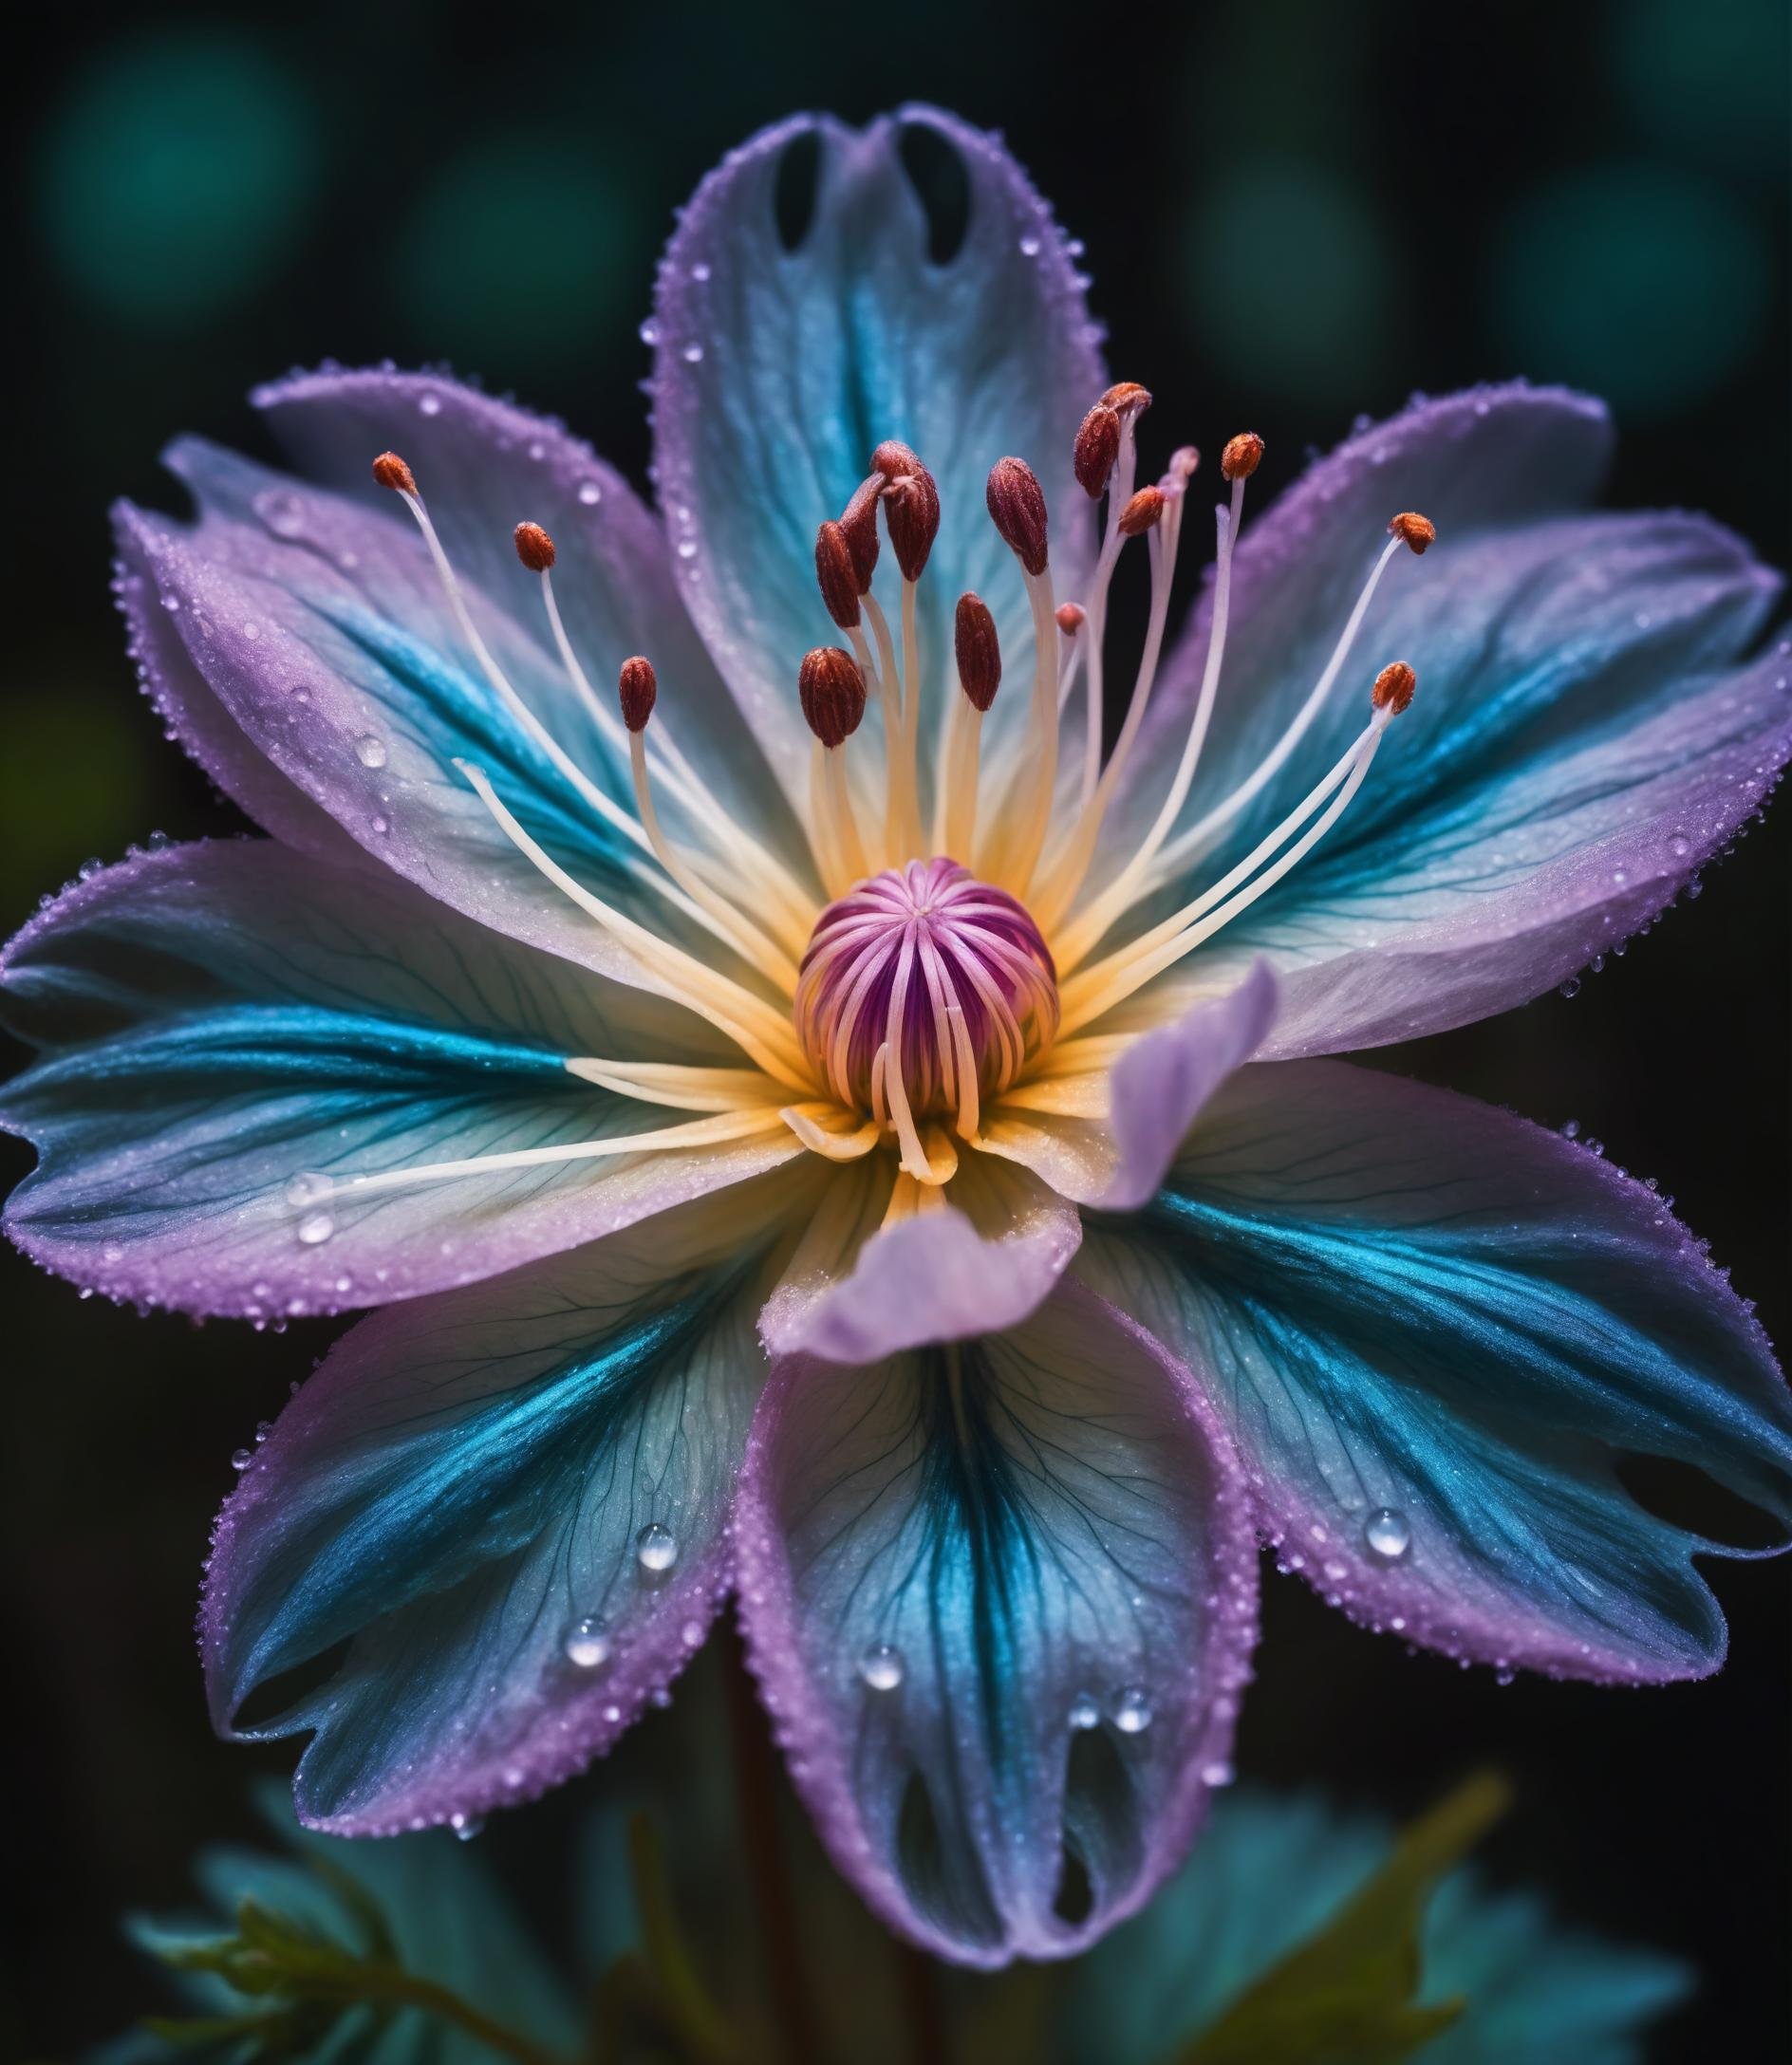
x=756 y=1794
x=404 y=1989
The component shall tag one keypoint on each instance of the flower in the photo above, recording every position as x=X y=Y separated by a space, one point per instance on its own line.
x=818 y=1134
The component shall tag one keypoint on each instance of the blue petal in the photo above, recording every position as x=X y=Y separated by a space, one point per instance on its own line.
x=778 y=370
x=944 y=1558
x=224 y=1019
x=1582 y=740
x=500 y=1514
x=1406 y=1304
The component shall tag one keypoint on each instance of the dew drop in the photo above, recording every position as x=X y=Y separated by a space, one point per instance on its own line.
x=283 y=514
x=1085 y=1713
x=650 y=332
x=379 y=824
x=880 y=1666
x=1570 y=1129
x=242 y=1457
x=1387 y=1534
x=370 y=751
x=1216 y=1774
x=306 y=1188
x=588 y=1643
x=656 y=1549
x=465 y=1826
x=1030 y=247
x=315 y=1228
x=692 y=353
x=1679 y=846
x=1132 y=1710
x=699 y=270
x=687 y=548
x=1569 y=988
x=170 y=601
x=591 y=494
x=429 y=406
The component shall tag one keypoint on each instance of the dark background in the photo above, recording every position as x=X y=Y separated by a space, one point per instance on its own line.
x=1294 y=212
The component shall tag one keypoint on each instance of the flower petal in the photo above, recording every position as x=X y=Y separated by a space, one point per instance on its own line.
x=778 y=369
x=857 y=1291
x=943 y=1557
x=224 y=1019
x=484 y=465
x=1579 y=745
x=1110 y=1148
x=467 y=1479
x=1408 y=1304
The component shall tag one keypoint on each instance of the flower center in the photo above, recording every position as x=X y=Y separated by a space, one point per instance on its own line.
x=924 y=991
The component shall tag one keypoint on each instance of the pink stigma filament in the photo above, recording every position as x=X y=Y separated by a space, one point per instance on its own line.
x=944 y=972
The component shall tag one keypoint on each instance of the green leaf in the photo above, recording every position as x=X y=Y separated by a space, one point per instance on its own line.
x=1349 y=1995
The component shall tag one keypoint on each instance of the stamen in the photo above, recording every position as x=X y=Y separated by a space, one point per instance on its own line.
x=832 y=690
x=1417 y=531
x=1243 y=456
x=638 y=689
x=911 y=513
x=1100 y=989
x=1096 y=448
x=1143 y=512
x=699 y=1133
x=1201 y=838
x=837 y=576
x=911 y=505
x=1129 y=402
x=684 y=1089
x=1017 y=508
x=979 y=654
x=750 y=1022
x=790 y=909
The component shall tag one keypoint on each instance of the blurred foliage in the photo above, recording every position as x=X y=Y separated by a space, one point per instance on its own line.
x=331 y=1978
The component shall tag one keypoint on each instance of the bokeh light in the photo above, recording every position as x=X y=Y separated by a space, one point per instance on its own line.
x=518 y=254
x=176 y=174
x=1290 y=281
x=1648 y=285
x=1709 y=80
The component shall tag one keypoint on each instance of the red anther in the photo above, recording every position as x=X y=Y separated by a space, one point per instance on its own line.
x=1017 y=508
x=978 y=649
x=1393 y=688
x=391 y=472
x=859 y=521
x=832 y=693
x=837 y=576
x=911 y=505
x=1417 y=531
x=1142 y=513
x=1071 y=618
x=639 y=687
x=1096 y=448
x=535 y=548
x=1243 y=456
x=1126 y=398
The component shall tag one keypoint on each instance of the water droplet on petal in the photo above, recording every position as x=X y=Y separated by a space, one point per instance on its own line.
x=466 y=1826
x=1570 y=1129
x=370 y=751
x=308 y=1188
x=687 y=548
x=656 y=1549
x=1216 y=1775
x=1679 y=846
x=1569 y=988
x=1132 y=1710
x=242 y=1457
x=1085 y=1713
x=315 y=1228
x=1030 y=247
x=692 y=353
x=588 y=1643
x=429 y=406
x=1387 y=1534
x=650 y=332
x=880 y=1666
x=591 y=494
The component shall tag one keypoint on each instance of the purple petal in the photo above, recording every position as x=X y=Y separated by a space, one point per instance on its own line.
x=1160 y=1085
x=979 y=1265
x=1000 y=1603
x=778 y=369
x=223 y=1024
x=1436 y=1332
x=511 y=1504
